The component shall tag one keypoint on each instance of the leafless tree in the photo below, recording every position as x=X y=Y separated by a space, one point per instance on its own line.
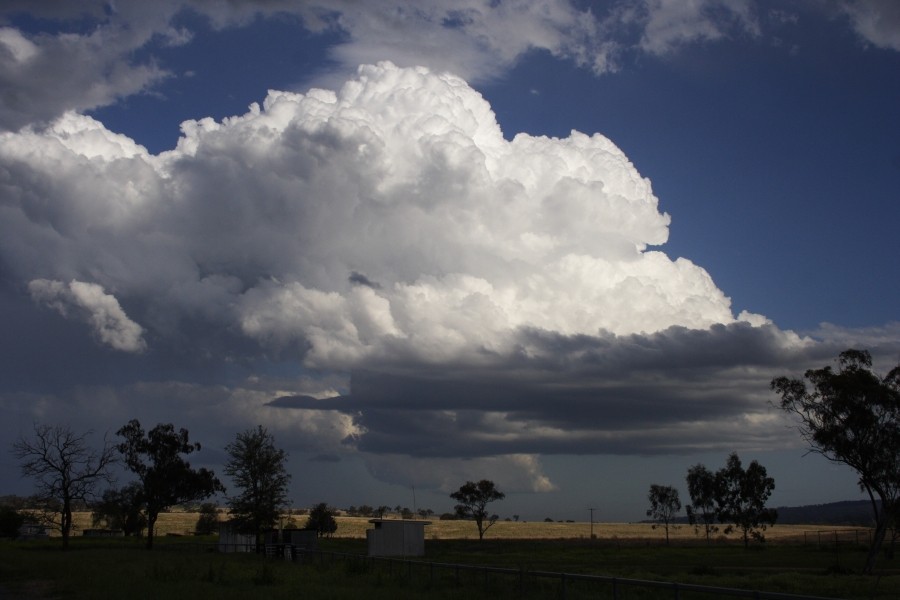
x=65 y=469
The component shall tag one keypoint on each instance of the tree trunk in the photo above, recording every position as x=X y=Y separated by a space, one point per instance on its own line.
x=66 y=523
x=151 y=523
x=877 y=540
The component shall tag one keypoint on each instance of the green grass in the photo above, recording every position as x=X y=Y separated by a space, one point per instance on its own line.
x=178 y=568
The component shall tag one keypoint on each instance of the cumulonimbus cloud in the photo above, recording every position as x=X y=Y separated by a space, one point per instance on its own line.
x=265 y=223
x=491 y=298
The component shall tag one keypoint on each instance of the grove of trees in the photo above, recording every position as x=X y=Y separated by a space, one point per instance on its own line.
x=852 y=416
x=733 y=496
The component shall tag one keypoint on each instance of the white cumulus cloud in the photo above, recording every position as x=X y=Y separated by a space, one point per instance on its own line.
x=265 y=223
x=88 y=301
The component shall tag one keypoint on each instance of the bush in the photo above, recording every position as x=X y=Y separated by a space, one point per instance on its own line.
x=10 y=522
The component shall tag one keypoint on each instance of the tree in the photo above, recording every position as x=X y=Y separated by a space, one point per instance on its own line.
x=121 y=509
x=852 y=416
x=473 y=499
x=208 y=521
x=10 y=521
x=701 y=511
x=741 y=497
x=65 y=470
x=321 y=520
x=166 y=478
x=257 y=469
x=664 y=505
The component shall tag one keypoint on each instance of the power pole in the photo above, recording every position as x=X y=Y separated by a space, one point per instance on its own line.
x=592 y=523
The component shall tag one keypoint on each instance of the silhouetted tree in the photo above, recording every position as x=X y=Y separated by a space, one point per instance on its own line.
x=852 y=416
x=321 y=520
x=65 y=469
x=257 y=469
x=473 y=499
x=121 y=509
x=701 y=511
x=664 y=505
x=10 y=521
x=741 y=497
x=208 y=521
x=166 y=478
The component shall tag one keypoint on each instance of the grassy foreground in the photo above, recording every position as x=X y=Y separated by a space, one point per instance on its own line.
x=183 y=567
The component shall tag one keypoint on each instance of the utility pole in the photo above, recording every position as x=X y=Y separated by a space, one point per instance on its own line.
x=592 y=523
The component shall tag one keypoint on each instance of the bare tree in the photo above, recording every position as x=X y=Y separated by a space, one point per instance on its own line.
x=65 y=469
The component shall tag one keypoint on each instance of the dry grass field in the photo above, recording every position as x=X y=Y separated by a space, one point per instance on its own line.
x=182 y=523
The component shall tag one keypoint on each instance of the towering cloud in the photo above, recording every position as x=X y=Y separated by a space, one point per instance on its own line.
x=266 y=223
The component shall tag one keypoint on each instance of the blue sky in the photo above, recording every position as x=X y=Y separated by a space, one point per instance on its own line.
x=524 y=241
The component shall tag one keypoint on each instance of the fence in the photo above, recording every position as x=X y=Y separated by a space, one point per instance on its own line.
x=833 y=538
x=543 y=584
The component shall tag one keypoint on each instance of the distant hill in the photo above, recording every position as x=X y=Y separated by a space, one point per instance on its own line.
x=848 y=512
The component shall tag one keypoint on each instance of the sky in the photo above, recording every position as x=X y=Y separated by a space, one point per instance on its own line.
x=562 y=245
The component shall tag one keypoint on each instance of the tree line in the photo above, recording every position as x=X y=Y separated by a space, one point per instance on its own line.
x=849 y=415
x=67 y=471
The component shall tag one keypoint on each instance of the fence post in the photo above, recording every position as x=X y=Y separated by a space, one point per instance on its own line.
x=615 y=583
x=562 y=586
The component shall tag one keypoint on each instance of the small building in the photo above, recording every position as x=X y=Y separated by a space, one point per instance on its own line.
x=393 y=537
x=231 y=540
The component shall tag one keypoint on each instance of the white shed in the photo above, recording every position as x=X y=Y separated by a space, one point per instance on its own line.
x=393 y=537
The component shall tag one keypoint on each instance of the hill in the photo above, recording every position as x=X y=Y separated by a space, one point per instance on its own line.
x=849 y=512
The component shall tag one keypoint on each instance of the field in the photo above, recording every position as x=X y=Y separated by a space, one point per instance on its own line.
x=795 y=560
x=182 y=523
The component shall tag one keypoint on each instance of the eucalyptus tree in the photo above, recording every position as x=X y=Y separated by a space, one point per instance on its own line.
x=473 y=499
x=701 y=511
x=664 y=505
x=166 y=478
x=852 y=416
x=257 y=470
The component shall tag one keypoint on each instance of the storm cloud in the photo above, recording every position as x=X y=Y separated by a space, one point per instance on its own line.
x=375 y=269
